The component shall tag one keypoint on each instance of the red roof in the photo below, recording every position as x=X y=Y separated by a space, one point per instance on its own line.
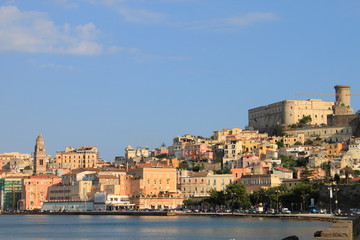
x=356 y=179
x=151 y=165
x=282 y=169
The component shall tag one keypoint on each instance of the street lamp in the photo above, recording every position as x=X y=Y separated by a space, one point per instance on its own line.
x=277 y=200
x=331 y=195
x=336 y=190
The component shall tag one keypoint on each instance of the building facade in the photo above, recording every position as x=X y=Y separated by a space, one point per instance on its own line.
x=35 y=191
x=83 y=157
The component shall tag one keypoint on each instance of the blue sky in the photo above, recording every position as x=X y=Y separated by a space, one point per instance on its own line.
x=111 y=73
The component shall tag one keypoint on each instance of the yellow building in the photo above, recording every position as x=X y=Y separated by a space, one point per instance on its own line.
x=220 y=136
x=83 y=157
x=254 y=182
x=5 y=158
x=232 y=151
x=329 y=134
x=79 y=191
x=199 y=184
x=250 y=145
x=154 y=186
x=291 y=140
x=152 y=179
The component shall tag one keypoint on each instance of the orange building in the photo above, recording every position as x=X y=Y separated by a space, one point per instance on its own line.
x=238 y=173
x=151 y=179
x=154 y=186
x=35 y=191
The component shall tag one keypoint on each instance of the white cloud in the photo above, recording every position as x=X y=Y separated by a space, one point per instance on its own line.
x=66 y=4
x=50 y=66
x=33 y=32
x=234 y=22
x=140 y=15
x=129 y=14
x=251 y=18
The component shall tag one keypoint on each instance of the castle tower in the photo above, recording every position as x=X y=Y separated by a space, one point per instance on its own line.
x=342 y=100
x=39 y=156
x=342 y=93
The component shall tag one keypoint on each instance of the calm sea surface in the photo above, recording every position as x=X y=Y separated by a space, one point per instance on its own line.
x=46 y=227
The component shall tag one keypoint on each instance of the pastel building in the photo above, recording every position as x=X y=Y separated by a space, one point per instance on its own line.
x=232 y=151
x=199 y=184
x=35 y=191
x=197 y=152
x=83 y=157
x=6 y=158
x=283 y=173
x=154 y=186
x=253 y=183
x=151 y=179
x=248 y=160
x=237 y=173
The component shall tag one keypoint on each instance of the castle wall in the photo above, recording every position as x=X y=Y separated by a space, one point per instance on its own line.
x=289 y=112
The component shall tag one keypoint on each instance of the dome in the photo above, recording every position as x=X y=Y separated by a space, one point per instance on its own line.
x=40 y=139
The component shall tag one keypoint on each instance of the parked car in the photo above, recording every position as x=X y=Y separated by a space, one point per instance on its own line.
x=270 y=211
x=285 y=211
x=314 y=210
x=252 y=211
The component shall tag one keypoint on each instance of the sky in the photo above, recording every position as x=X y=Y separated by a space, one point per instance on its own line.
x=112 y=73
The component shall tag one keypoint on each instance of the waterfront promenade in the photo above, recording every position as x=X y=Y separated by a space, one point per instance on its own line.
x=317 y=217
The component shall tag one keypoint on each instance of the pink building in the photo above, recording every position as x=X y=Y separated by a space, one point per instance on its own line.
x=161 y=151
x=35 y=191
x=248 y=160
x=316 y=173
x=197 y=151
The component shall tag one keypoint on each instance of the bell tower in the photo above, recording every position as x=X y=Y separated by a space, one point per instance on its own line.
x=39 y=156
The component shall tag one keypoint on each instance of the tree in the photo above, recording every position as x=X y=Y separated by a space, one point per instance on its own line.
x=278 y=131
x=305 y=120
x=222 y=171
x=337 y=178
x=302 y=162
x=303 y=192
x=236 y=197
x=197 y=168
x=184 y=165
x=280 y=144
x=308 y=142
x=288 y=162
x=259 y=196
x=190 y=203
x=306 y=175
x=356 y=173
x=216 y=198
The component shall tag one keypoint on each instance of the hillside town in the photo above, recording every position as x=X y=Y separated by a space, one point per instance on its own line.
x=294 y=154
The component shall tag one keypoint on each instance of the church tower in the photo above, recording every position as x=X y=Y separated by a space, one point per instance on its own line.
x=40 y=156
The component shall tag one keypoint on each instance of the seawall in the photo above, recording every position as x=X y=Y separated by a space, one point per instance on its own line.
x=341 y=230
